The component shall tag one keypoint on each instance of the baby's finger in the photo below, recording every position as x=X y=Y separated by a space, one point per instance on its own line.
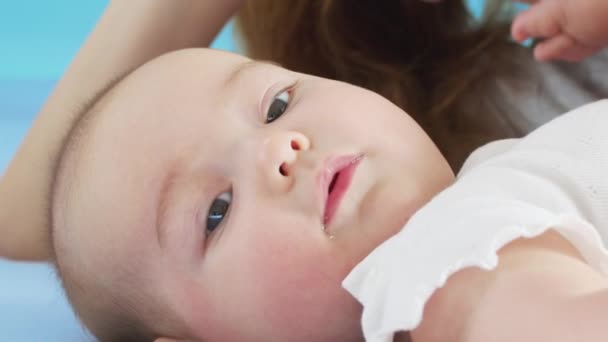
x=541 y=20
x=553 y=48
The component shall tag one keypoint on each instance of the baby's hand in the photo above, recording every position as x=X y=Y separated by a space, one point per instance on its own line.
x=570 y=30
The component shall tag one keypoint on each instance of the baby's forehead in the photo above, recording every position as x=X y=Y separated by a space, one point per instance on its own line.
x=197 y=83
x=206 y=63
x=203 y=73
x=169 y=86
x=211 y=67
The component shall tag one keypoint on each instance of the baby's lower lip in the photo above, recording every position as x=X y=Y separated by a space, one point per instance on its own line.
x=334 y=198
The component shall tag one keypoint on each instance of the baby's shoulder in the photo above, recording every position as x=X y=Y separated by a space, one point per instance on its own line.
x=578 y=135
x=588 y=120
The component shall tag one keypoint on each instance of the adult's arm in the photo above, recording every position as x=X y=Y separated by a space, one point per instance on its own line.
x=129 y=33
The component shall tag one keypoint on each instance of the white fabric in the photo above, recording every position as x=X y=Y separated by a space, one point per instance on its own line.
x=553 y=178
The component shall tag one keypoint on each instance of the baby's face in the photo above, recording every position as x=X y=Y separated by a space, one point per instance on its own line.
x=241 y=194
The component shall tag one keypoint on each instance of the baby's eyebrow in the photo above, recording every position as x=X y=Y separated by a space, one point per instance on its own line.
x=163 y=204
x=242 y=69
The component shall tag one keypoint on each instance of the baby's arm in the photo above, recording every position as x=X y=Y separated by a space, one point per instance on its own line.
x=129 y=33
x=543 y=293
x=572 y=29
x=542 y=290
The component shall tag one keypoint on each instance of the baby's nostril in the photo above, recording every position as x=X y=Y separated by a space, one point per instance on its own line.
x=295 y=145
x=283 y=169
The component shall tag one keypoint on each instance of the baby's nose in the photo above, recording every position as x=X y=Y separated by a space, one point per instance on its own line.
x=279 y=155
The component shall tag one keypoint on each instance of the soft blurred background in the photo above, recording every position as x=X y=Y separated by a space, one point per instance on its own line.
x=38 y=39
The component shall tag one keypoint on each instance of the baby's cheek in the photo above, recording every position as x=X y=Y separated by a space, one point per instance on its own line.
x=289 y=279
x=286 y=266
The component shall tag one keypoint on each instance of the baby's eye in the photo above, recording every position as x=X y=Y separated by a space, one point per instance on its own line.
x=278 y=106
x=218 y=210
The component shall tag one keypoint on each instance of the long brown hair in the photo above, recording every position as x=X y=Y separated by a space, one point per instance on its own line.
x=432 y=60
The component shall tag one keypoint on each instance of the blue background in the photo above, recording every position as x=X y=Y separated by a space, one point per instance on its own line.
x=38 y=39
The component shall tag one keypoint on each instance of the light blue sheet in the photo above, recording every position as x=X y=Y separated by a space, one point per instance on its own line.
x=37 y=41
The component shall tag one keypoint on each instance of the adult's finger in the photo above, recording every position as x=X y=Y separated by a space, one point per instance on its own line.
x=553 y=48
x=577 y=53
x=529 y=2
x=541 y=20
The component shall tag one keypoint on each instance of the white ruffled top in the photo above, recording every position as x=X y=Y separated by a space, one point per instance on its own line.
x=555 y=178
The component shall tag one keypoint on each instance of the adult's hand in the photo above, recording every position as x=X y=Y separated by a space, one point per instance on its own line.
x=569 y=30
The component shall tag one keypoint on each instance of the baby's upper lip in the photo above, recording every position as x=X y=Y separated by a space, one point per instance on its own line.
x=325 y=175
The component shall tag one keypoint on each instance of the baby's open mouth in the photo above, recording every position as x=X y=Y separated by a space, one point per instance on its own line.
x=333 y=182
x=336 y=179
